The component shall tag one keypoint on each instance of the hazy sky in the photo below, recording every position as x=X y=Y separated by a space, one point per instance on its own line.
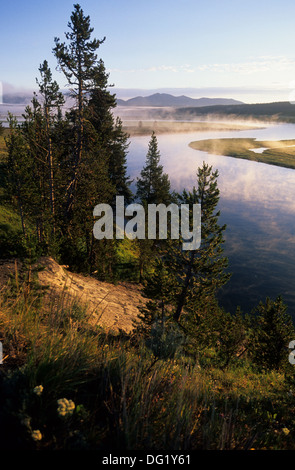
x=232 y=47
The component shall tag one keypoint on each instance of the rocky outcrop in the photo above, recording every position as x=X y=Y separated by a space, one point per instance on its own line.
x=114 y=307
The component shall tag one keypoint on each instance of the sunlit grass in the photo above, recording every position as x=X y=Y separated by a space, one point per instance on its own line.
x=280 y=153
x=121 y=398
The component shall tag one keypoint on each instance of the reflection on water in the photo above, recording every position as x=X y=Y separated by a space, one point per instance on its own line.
x=257 y=203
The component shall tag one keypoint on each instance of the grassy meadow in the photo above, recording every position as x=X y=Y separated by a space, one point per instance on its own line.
x=280 y=153
x=67 y=386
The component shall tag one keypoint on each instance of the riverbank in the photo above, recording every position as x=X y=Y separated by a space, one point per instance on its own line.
x=141 y=128
x=280 y=153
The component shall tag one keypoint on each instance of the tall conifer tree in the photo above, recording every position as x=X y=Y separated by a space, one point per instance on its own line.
x=78 y=61
x=153 y=186
x=201 y=272
x=96 y=169
x=109 y=132
x=62 y=166
x=192 y=278
x=53 y=100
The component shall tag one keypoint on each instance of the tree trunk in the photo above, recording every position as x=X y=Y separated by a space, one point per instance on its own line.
x=182 y=297
x=50 y=168
x=73 y=183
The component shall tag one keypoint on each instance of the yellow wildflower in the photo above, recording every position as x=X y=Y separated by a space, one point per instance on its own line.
x=38 y=390
x=285 y=431
x=65 y=407
x=36 y=435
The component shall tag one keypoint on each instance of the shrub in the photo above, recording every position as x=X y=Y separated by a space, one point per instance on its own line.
x=271 y=331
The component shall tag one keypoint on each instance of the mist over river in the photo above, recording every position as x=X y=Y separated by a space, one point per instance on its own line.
x=257 y=203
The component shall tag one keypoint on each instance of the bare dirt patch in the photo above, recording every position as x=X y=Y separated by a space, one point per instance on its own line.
x=114 y=307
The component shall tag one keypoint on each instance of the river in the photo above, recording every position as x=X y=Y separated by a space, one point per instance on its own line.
x=257 y=203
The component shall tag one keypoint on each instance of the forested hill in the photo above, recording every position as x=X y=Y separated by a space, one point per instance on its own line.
x=278 y=111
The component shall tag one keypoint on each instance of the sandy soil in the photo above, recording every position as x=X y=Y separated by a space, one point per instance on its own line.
x=114 y=307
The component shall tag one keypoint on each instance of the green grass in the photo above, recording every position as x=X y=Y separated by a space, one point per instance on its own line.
x=123 y=398
x=10 y=222
x=280 y=153
x=3 y=149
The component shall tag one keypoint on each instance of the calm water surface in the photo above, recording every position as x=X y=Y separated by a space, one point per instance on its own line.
x=257 y=202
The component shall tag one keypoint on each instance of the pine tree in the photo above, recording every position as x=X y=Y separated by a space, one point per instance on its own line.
x=95 y=164
x=27 y=168
x=36 y=182
x=53 y=100
x=17 y=168
x=78 y=61
x=194 y=276
x=271 y=331
x=159 y=289
x=153 y=186
x=32 y=164
x=201 y=272
x=110 y=133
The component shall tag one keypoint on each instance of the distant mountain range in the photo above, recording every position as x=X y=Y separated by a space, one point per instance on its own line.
x=160 y=100
x=166 y=100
